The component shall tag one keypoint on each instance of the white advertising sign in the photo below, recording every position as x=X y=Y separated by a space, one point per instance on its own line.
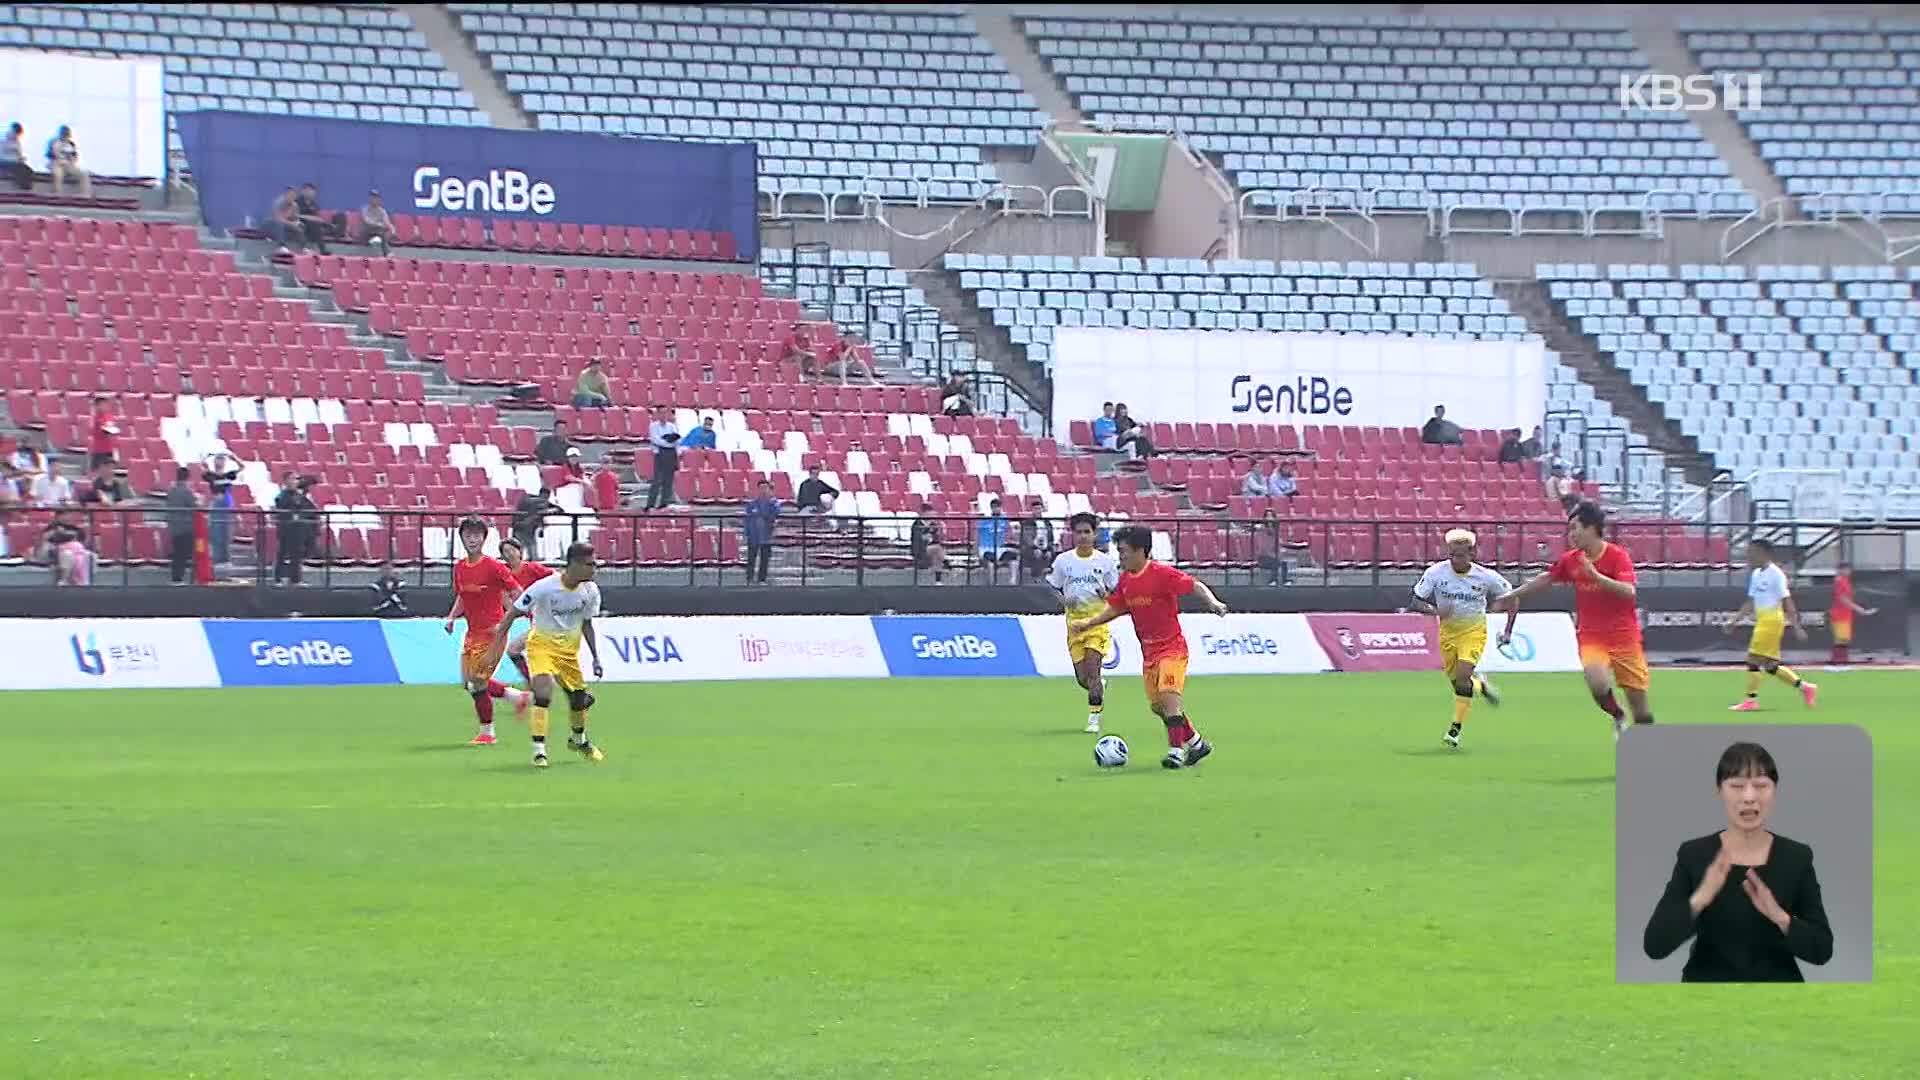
x=113 y=106
x=107 y=654
x=1542 y=641
x=644 y=649
x=1260 y=377
x=1234 y=644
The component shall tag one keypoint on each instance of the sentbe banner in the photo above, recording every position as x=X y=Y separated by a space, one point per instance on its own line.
x=1260 y=377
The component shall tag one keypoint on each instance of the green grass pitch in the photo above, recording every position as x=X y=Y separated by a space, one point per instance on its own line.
x=881 y=879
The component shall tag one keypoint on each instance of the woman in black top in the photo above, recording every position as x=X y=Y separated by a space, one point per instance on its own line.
x=1747 y=897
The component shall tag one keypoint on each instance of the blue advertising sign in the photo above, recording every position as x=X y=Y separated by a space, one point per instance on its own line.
x=300 y=652
x=954 y=645
x=242 y=161
x=424 y=654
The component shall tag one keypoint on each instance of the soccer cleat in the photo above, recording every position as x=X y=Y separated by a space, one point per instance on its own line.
x=1619 y=726
x=1197 y=749
x=539 y=761
x=1810 y=692
x=1487 y=691
x=1176 y=759
x=1452 y=737
x=1093 y=725
x=482 y=739
x=1749 y=705
x=586 y=750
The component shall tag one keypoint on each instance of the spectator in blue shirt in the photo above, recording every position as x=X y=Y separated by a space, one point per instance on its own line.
x=757 y=520
x=1104 y=429
x=999 y=546
x=1282 y=482
x=702 y=437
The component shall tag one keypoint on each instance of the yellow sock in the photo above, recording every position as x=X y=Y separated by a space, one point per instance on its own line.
x=538 y=722
x=1461 y=706
x=1786 y=675
x=1753 y=683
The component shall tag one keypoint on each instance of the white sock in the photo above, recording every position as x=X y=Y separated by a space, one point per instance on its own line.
x=539 y=746
x=486 y=728
x=579 y=738
x=1093 y=718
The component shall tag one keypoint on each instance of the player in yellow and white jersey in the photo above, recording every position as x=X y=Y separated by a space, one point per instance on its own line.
x=1770 y=602
x=1460 y=591
x=562 y=607
x=1082 y=578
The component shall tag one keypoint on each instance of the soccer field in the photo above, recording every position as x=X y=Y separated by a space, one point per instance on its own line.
x=913 y=878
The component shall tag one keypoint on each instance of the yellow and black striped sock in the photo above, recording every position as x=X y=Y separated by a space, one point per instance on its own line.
x=1786 y=675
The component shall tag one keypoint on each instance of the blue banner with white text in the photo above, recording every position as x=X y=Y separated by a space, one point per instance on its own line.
x=242 y=161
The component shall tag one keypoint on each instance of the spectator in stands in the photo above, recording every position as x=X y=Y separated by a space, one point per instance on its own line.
x=757 y=521
x=1532 y=447
x=296 y=520
x=313 y=220
x=1280 y=483
x=13 y=157
x=1560 y=488
x=998 y=544
x=576 y=469
x=552 y=448
x=376 y=225
x=1511 y=450
x=528 y=514
x=1130 y=438
x=1440 y=431
x=664 y=436
x=64 y=546
x=1037 y=541
x=1273 y=552
x=283 y=221
x=104 y=438
x=1105 y=433
x=106 y=488
x=50 y=489
x=592 y=390
x=926 y=541
x=220 y=473
x=815 y=495
x=389 y=594
x=1556 y=460
x=703 y=437
x=800 y=349
x=1255 y=482
x=851 y=354
x=182 y=504
x=956 y=399
x=24 y=456
x=63 y=161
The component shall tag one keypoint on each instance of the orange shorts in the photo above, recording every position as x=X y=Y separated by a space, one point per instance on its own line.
x=1627 y=662
x=1167 y=675
x=474 y=654
x=1843 y=631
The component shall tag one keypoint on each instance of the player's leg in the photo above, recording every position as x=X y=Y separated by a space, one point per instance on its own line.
x=1596 y=665
x=1087 y=659
x=1842 y=641
x=1629 y=670
x=517 y=652
x=578 y=704
x=1167 y=690
x=543 y=691
x=473 y=655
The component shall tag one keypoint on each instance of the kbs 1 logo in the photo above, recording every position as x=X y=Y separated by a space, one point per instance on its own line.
x=502 y=191
x=1660 y=92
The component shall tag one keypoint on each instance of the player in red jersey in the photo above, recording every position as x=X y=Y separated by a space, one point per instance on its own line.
x=1150 y=591
x=1607 y=621
x=1840 y=618
x=525 y=571
x=482 y=586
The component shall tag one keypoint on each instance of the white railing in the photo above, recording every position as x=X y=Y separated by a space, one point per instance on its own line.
x=1860 y=215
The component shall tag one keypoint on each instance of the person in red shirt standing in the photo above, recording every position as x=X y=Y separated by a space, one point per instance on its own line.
x=1840 y=618
x=103 y=438
x=525 y=572
x=1606 y=618
x=482 y=586
x=1150 y=591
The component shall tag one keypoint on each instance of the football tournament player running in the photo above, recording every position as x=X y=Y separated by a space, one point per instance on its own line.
x=1150 y=591
x=1082 y=578
x=1840 y=617
x=1606 y=619
x=562 y=607
x=481 y=589
x=525 y=571
x=1770 y=602
x=1459 y=591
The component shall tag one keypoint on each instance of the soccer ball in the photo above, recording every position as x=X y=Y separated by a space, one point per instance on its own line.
x=1110 y=752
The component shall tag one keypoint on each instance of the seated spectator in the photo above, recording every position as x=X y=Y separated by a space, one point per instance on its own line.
x=313 y=220
x=1281 y=484
x=1556 y=460
x=283 y=221
x=576 y=469
x=815 y=495
x=1255 y=482
x=63 y=161
x=552 y=448
x=50 y=489
x=376 y=225
x=956 y=399
x=23 y=456
x=1130 y=438
x=106 y=489
x=1038 y=541
x=64 y=546
x=1531 y=449
x=927 y=543
x=389 y=594
x=703 y=437
x=592 y=390
x=998 y=544
x=529 y=515
x=1104 y=430
x=13 y=158
x=1440 y=431
x=1511 y=449
x=800 y=350
x=850 y=355
x=1561 y=489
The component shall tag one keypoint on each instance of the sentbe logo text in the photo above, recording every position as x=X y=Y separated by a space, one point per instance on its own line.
x=505 y=191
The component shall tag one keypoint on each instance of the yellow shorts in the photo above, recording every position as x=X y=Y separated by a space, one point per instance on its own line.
x=562 y=663
x=1166 y=676
x=1097 y=640
x=1627 y=662
x=1843 y=631
x=1462 y=646
x=1768 y=628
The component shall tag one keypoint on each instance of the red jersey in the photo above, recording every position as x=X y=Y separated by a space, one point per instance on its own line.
x=483 y=588
x=1152 y=596
x=106 y=430
x=1842 y=609
x=529 y=573
x=1601 y=617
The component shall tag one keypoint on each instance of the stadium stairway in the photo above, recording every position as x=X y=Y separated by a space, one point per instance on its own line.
x=1529 y=299
x=443 y=34
x=1668 y=53
x=991 y=341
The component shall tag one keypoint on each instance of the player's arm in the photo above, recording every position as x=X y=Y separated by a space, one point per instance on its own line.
x=1214 y=603
x=1745 y=613
x=593 y=646
x=1114 y=611
x=1511 y=602
x=1792 y=611
x=1625 y=590
x=1419 y=603
x=522 y=605
x=1858 y=610
x=455 y=611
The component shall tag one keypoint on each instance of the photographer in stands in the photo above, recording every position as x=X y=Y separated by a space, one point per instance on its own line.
x=63 y=161
x=376 y=225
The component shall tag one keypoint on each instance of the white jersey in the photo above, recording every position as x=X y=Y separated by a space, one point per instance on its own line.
x=1767 y=588
x=1084 y=582
x=1460 y=599
x=558 y=612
